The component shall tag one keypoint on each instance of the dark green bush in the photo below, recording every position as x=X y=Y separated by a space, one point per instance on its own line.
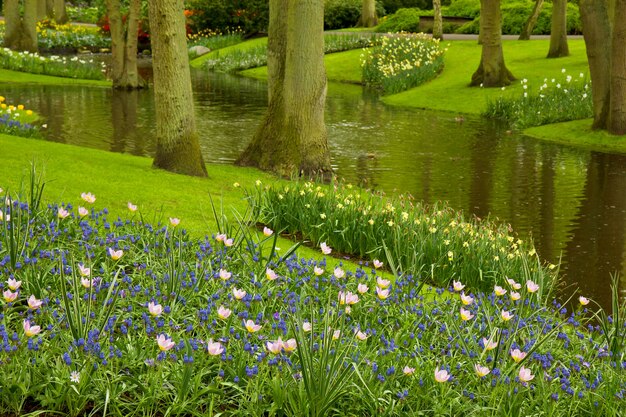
x=392 y=6
x=404 y=20
x=251 y=16
x=339 y=14
x=514 y=15
x=464 y=8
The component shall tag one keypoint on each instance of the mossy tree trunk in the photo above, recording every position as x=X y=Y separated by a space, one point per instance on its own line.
x=617 y=110
x=492 y=71
x=124 y=72
x=558 y=31
x=292 y=138
x=60 y=12
x=530 y=23
x=604 y=21
x=437 y=20
x=368 y=17
x=44 y=9
x=20 y=28
x=178 y=148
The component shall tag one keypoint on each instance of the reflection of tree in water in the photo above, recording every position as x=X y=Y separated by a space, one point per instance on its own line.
x=124 y=121
x=366 y=166
x=599 y=233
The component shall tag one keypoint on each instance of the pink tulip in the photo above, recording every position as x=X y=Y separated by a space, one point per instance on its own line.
x=377 y=264
x=326 y=250
x=525 y=375
x=362 y=288
x=531 y=286
x=34 y=303
x=88 y=197
x=214 y=348
x=155 y=309
x=270 y=274
x=517 y=355
x=164 y=343
x=267 y=231
x=9 y=296
x=13 y=284
x=480 y=370
x=225 y=275
x=223 y=312
x=115 y=254
x=441 y=375
x=252 y=326
x=29 y=330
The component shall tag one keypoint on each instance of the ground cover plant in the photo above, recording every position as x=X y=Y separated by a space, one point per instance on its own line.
x=114 y=316
x=74 y=67
x=558 y=99
x=434 y=243
x=401 y=62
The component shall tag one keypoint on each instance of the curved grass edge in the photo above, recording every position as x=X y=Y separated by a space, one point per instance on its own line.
x=578 y=133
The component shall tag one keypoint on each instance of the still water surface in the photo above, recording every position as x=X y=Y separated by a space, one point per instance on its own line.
x=571 y=201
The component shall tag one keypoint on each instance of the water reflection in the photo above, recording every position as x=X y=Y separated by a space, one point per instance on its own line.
x=571 y=201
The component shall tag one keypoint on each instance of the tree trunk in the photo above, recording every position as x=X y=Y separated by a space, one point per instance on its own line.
x=42 y=9
x=558 y=31
x=20 y=30
x=437 y=22
x=368 y=17
x=617 y=110
x=178 y=148
x=60 y=12
x=491 y=72
x=292 y=138
x=529 y=26
x=124 y=45
x=597 y=31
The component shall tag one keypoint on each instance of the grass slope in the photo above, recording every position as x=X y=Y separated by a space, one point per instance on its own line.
x=116 y=179
x=451 y=92
x=340 y=67
x=252 y=43
x=7 y=76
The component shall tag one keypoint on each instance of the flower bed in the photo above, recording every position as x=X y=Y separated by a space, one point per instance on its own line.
x=115 y=317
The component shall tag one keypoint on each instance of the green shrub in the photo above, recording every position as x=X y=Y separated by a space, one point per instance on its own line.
x=404 y=20
x=340 y=14
x=463 y=8
x=392 y=6
x=514 y=15
x=83 y=14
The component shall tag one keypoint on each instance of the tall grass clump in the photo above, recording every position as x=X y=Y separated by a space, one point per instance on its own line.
x=556 y=100
x=117 y=316
x=34 y=63
x=435 y=242
x=402 y=62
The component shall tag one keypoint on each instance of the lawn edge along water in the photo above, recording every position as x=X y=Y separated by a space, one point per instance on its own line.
x=8 y=76
x=578 y=133
x=116 y=179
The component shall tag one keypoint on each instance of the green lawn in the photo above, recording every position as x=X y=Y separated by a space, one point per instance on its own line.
x=451 y=92
x=340 y=67
x=117 y=179
x=578 y=133
x=252 y=43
